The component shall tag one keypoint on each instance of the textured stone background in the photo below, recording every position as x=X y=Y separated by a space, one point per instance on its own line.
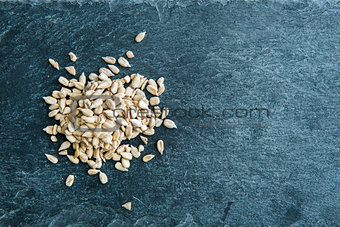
x=280 y=56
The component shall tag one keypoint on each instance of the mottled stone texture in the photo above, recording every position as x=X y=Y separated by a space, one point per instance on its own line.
x=280 y=56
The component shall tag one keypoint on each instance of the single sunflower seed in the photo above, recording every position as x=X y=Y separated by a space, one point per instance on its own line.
x=93 y=171
x=169 y=123
x=52 y=158
x=109 y=60
x=148 y=157
x=160 y=146
x=63 y=81
x=154 y=101
x=144 y=139
x=69 y=180
x=130 y=54
x=127 y=205
x=139 y=38
x=71 y=70
x=65 y=145
x=54 y=139
x=114 y=69
x=73 y=57
x=53 y=63
x=103 y=178
x=123 y=62
x=63 y=153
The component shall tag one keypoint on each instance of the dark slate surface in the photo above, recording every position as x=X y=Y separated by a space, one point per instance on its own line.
x=281 y=170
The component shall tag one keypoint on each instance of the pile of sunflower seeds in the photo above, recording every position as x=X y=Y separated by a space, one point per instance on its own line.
x=96 y=114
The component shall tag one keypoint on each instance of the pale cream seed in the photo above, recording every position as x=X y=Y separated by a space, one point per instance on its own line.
x=139 y=38
x=63 y=81
x=65 y=145
x=52 y=158
x=73 y=57
x=109 y=60
x=50 y=100
x=114 y=69
x=144 y=139
x=93 y=171
x=148 y=157
x=69 y=180
x=103 y=178
x=54 y=139
x=71 y=70
x=63 y=153
x=127 y=205
x=120 y=167
x=160 y=146
x=169 y=123
x=53 y=63
x=123 y=62
x=154 y=101
x=130 y=54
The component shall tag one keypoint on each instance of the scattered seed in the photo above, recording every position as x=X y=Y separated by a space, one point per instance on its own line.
x=109 y=60
x=154 y=101
x=127 y=205
x=73 y=57
x=51 y=158
x=63 y=81
x=54 y=139
x=123 y=62
x=64 y=152
x=120 y=167
x=165 y=112
x=144 y=139
x=71 y=70
x=93 y=171
x=148 y=157
x=114 y=69
x=73 y=159
x=50 y=100
x=54 y=63
x=103 y=178
x=140 y=37
x=65 y=145
x=160 y=146
x=130 y=54
x=69 y=180
x=169 y=123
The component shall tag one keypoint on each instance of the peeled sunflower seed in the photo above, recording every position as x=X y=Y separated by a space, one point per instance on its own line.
x=93 y=171
x=120 y=167
x=130 y=54
x=73 y=57
x=140 y=37
x=123 y=62
x=160 y=146
x=54 y=139
x=51 y=158
x=109 y=60
x=169 y=123
x=154 y=101
x=65 y=145
x=64 y=152
x=114 y=69
x=148 y=157
x=63 y=81
x=53 y=63
x=103 y=178
x=127 y=205
x=69 y=180
x=50 y=100
x=71 y=70
x=144 y=139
